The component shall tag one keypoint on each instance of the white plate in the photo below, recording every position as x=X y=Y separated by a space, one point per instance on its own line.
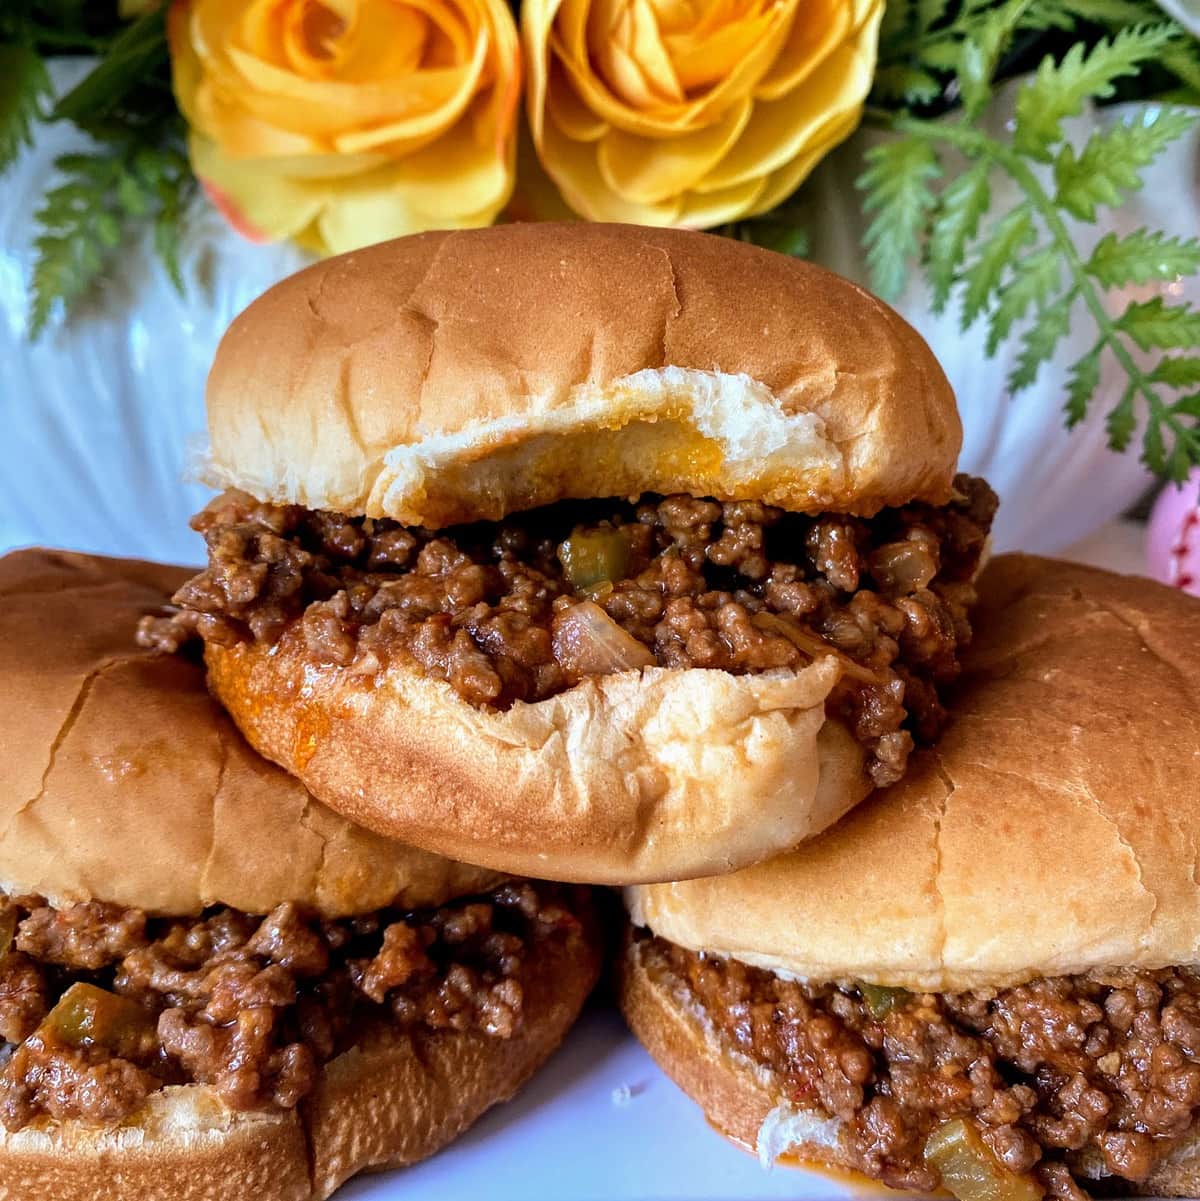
x=569 y=1136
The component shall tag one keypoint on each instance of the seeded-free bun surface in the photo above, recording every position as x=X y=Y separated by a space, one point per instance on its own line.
x=394 y=1098
x=1052 y=830
x=452 y=376
x=122 y=780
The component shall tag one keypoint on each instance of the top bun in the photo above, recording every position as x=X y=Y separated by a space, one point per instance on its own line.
x=121 y=780
x=451 y=377
x=1054 y=829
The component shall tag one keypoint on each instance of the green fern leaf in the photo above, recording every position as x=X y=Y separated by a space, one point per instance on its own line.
x=898 y=185
x=1121 y=423
x=24 y=84
x=1113 y=159
x=996 y=253
x=960 y=209
x=1039 y=341
x=908 y=85
x=1035 y=278
x=1142 y=256
x=1060 y=89
x=1177 y=372
x=1082 y=382
x=1154 y=325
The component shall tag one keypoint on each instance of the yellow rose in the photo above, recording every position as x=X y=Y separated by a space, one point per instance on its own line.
x=692 y=112
x=344 y=122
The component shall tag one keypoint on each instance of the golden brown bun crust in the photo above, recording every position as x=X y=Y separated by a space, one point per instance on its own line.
x=736 y=1095
x=1054 y=828
x=454 y=376
x=122 y=780
x=394 y=1099
x=622 y=778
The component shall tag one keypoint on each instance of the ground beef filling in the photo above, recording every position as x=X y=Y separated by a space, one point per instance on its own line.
x=101 y=1006
x=522 y=609
x=1101 y=1068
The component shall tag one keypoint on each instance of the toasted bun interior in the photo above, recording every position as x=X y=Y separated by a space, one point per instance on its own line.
x=393 y=1099
x=455 y=376
x=122 y=780
x=1052 y=830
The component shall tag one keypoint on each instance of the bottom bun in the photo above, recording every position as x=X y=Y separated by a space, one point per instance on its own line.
x=738 y=1095
x=394 y=1098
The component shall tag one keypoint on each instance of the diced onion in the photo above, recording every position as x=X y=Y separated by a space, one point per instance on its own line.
x=587 y=642
x=970 y=1171
x=906 y=566
x=813 y=645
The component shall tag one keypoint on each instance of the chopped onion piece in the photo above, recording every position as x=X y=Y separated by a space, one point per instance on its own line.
x=970 y=1171
x=906 y=566
x=587 y=642
x=813 y=645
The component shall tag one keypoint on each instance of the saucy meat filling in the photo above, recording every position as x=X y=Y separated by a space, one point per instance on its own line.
x=1029 y=1082
x=521 y=609
x=101 y=1006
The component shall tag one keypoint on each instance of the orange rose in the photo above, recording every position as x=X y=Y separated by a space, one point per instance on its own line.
x=678 y=112
x=344 y=122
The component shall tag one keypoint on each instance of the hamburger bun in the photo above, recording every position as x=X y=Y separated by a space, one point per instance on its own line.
x=457 y=376
x=452 y=377
x=1070 y=771
x=628 y=777
x=108 y=750
x=122 y=781
x=739 y=1095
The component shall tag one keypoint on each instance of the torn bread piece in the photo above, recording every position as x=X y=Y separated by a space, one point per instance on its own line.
x=208 y=978
x=993 y=967
x=562 y=548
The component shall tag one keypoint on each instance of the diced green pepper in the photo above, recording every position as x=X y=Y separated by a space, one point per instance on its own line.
x=594 y=557
x=881 y=1001
x=8 y=929
x=89 y=1016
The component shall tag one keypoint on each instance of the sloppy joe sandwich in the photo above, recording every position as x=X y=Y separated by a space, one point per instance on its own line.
x=594 y=552
x=210 y=985
x=987 y=977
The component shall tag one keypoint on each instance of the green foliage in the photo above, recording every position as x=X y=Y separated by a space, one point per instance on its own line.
x=1060 y=88
x=1023 y=272
x=1113 y=160
x=1082 y=382
x=780 y=231
x=1035 y=280
x=898 y=182
x=996 y=251
x=960 y=208
x=1142 y=256
x=24 y=85
x=134 y=172
x=85 y=220
x=1154 y=325
x=1038 y=342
